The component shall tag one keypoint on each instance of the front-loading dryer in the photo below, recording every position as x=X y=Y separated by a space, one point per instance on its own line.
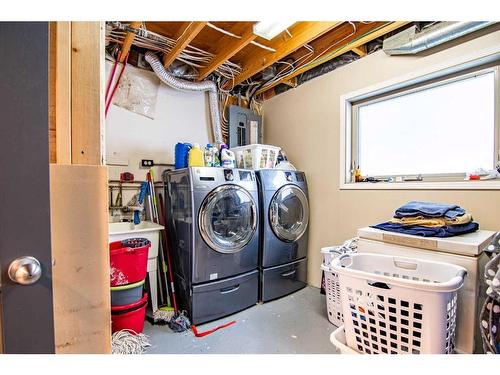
x=213 y=227
x=284 y=208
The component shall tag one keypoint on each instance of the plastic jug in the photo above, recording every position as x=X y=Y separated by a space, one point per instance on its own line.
x=227 y=157
x=215 y=155
x=209 y=156
x=196 y=156
x=181 y=155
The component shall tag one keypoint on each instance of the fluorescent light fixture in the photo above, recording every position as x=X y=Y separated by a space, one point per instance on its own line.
x=269 y=29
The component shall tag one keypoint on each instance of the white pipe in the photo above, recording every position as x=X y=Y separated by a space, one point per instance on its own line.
x=180 y=84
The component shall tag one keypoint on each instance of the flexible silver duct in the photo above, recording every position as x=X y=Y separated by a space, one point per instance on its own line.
x=180 y=84
x=409 y=42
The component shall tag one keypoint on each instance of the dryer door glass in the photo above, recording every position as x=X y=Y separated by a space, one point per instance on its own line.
x=228 y=218
x=289 y=213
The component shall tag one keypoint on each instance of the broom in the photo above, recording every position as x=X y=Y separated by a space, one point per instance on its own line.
x=179 y=321
x=163 y=314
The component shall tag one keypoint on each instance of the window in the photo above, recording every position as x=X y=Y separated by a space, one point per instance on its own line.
x=433 y=130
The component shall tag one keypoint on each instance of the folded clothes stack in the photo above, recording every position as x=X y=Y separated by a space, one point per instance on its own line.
x=430 y=219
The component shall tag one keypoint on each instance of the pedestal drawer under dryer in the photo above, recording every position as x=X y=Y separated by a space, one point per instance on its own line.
x=282 y=280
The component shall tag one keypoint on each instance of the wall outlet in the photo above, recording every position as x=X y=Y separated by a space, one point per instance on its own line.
x=147 y=163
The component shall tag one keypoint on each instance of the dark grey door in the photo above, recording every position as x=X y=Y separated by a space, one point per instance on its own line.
x=25 y=302
x=289 y=213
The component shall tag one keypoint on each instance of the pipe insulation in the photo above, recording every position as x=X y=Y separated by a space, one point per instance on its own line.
x=181 y=84
x=410 y=42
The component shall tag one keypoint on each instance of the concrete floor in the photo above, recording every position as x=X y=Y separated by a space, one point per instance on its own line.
x=293 y=324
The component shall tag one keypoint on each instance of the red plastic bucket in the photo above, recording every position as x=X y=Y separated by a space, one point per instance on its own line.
x=129 y=316
x=128 y=261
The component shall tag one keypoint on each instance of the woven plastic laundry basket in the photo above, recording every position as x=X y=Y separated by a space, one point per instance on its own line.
x=398 y=305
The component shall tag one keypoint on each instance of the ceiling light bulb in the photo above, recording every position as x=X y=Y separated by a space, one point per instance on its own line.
x=269 y=29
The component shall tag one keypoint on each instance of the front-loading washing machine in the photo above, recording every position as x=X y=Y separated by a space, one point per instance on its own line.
x=284 y=232
x=213 y=226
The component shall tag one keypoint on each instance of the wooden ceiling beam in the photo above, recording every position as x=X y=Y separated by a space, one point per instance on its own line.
x=227 y=51
x=184 y=37
x=127 y=42
x=360 y=51
x=302 y=33
x=349 y=46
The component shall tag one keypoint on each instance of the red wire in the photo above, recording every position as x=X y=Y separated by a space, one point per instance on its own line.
x=115 y=64
x=116 y=85
x=202 y=334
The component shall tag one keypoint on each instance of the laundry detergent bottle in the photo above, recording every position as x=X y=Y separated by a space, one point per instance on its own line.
x=196 y=156
x=209 y=156
x=215 y=155
x=181 y=155
x=227 y=157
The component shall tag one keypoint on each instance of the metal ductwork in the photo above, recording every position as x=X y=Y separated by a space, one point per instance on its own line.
x=181 y=84
x=410 y=42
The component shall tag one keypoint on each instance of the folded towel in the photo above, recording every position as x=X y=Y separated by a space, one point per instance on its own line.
x=432 y=222
x=429 y=209
x=416 y=230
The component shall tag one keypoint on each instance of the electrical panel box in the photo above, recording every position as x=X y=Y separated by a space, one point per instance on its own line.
x=245 y=127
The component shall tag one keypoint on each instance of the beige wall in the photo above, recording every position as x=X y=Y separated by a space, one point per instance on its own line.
x=305 y=122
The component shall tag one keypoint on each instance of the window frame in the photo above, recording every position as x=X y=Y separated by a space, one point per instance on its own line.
x=350 y=104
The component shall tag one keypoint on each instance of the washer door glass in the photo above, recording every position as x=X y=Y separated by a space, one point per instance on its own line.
x=228 y=218
x=289 y=213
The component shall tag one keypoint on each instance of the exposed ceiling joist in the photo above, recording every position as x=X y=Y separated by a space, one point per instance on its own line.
x=355 y=42
x=302 y=33
x=129 y=39
x=360 y=51
x=184 y=37
x=227 y=51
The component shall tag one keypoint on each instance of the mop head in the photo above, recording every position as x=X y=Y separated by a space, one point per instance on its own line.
x=128 y=341
x=162 y=316
x=179 y=322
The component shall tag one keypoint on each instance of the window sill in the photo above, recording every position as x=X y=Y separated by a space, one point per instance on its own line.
x=441 y=185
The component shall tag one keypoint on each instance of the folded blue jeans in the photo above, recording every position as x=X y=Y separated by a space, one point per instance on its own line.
x=416 y=230
x=430 y=209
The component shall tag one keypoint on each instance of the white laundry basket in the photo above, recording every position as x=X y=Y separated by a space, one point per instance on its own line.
x=256 y=156
x=332 y=287
x=338 y=340
x=333 y=299
x=398 y=305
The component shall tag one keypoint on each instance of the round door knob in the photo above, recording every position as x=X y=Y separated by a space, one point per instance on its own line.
x=25 y=270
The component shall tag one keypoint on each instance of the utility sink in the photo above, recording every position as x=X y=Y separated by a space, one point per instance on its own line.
x=145 y=229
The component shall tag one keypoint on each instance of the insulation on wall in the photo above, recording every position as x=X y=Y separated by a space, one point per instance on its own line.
x=137 y=92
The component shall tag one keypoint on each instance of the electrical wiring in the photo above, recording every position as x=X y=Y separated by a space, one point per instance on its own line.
x=325 y=58
x=318 y=59
x=193 y=56
x=211 y=25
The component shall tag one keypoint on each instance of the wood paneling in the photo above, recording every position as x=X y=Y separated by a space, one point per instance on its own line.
x=80 y=257
x=63 y=92
x=52 y=91
x=87 y=92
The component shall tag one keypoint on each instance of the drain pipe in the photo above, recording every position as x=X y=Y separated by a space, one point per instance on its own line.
x=181 y=84
x=409 y=42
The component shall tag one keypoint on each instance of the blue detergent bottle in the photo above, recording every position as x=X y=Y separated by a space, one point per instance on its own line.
x=181 y=155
